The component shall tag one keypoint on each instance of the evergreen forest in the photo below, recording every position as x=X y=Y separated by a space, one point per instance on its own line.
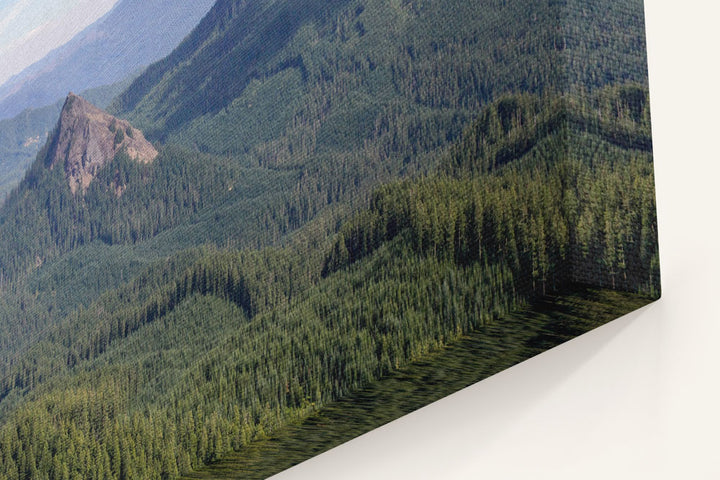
x=343 y=188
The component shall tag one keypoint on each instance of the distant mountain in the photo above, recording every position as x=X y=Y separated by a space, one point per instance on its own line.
x=133 y=34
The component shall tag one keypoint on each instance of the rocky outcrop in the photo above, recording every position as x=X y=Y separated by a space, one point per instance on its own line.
x=86 y=138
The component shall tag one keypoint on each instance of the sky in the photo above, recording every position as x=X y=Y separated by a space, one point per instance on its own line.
x=30 y=29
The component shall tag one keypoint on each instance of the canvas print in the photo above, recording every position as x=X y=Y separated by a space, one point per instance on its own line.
x=237 y=233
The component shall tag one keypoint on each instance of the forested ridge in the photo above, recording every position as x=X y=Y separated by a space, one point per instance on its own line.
x=290 y=331
x=333 y=144
x=379 y=182
x=575 y=203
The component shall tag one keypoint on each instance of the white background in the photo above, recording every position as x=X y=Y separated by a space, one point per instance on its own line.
x=636 y=399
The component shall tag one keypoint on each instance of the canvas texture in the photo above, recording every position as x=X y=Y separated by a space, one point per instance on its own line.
x=306 y=220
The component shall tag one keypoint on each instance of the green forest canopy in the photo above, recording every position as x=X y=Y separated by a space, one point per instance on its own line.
x=428 y=168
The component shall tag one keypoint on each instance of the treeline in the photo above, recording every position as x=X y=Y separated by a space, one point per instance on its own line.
x=219 y=347
x=172 y=359
x=128 y=202
x=510 y=127
x=362 y=93
x=338 y=70
x=560 y=221
x=576 y=204
x=150 y=408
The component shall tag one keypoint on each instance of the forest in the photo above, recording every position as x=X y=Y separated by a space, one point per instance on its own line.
x=283 y=332
x=380 y=182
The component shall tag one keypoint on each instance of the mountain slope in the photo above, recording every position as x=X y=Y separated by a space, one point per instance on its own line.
x=354 y=94
x=22 y=136
x=381 y=55
x=378 y=180
x=86 y=139
x=430 y=259
x=132 y=35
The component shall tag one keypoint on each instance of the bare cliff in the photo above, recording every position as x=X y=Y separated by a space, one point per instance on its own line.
x=86 y=138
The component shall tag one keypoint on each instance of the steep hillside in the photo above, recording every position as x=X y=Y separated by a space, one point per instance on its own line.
x=22 y=136
x=340 y=188
x=132 y=35
x=98 y=63
x=86 y=139
x=430 y=259
x=336 y=72
x=303 y=109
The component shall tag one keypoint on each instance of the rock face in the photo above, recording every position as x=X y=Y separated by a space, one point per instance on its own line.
x=86 y=138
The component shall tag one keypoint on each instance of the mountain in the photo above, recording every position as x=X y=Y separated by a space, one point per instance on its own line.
x=132 y=35
x=228 y=345
x=86 y=139
x=22 y=136
x=340 y=188
x=274 y=68
x=99 y=63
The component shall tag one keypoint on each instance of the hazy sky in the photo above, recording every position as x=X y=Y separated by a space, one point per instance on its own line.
x=29 y=29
